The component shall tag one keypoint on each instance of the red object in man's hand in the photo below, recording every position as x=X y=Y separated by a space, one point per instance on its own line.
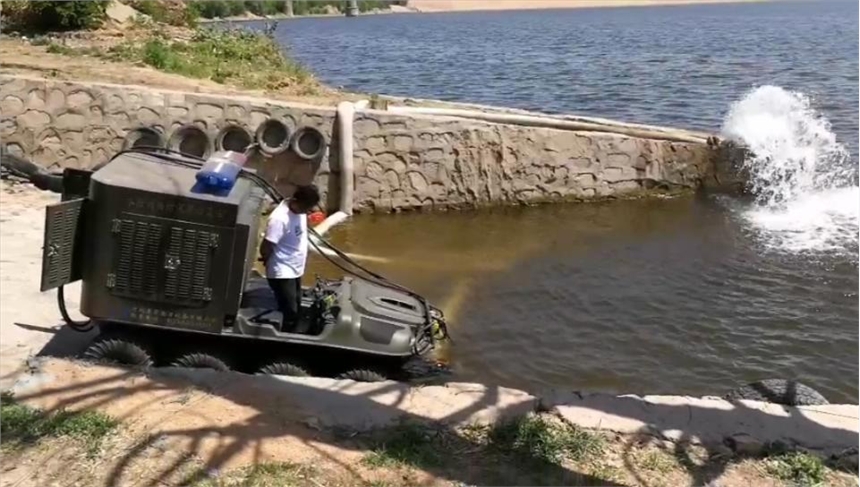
x=316 y=217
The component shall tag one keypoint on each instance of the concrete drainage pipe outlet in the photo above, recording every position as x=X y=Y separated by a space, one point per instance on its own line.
x=143 y=137
x=273 y=137
x=308 y=143
x=233 y=138
x=190 y=140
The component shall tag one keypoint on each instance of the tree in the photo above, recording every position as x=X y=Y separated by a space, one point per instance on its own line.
x=55 y=15
x=210 y=9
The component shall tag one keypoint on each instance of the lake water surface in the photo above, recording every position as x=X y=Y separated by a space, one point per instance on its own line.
x=690 y=295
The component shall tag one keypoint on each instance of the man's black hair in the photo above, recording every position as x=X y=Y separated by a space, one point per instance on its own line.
x=307 y=196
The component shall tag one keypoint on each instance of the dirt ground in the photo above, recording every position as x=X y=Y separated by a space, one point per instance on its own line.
x=28 y=318
x=171 y=431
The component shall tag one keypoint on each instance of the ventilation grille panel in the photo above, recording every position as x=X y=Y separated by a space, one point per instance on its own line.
x=162 y=262
x=62 y=225
x=187 y=265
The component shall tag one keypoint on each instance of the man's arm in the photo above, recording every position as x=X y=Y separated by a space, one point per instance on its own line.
x=274 y=233
x=266 y=250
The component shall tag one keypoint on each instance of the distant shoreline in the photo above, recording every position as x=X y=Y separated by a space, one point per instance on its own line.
x=427 y=6
x=251 y=17
x=441 y=6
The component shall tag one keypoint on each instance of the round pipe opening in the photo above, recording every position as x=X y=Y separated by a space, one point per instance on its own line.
x=143 y=137
x=190 y=140
x=308 y=143
x=233 y=138
x=273 y=136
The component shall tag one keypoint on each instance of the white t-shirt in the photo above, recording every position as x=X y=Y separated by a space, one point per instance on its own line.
x=288 y=232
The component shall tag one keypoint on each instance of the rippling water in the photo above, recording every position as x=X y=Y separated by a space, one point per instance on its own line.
x=673 y=296
x=691 y=295
x=679 y=65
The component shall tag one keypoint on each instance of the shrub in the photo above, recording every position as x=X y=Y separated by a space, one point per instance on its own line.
x=798 y=468
x=368 y=5
x=157 y=54
x=54 y=16
x=210 y=9
x=168 y=12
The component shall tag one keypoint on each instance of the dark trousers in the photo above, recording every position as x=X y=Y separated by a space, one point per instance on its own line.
x=288 y=294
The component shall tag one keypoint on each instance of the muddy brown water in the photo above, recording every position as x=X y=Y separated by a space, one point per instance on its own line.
x=676 y=296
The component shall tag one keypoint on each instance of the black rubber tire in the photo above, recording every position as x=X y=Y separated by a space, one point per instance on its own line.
x=200 y=360
x=779 y=391
x=121 y=350
x=363 y=375
x=285 y=368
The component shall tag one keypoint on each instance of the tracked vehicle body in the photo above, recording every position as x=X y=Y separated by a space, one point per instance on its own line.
x=167 y=263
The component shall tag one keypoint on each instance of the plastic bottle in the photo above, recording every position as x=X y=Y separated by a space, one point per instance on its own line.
x=221 y=170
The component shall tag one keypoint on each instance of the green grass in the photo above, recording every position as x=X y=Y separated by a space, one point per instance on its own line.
x=279 y=474
x=537 y=438
x=798 y=468
x=528 y=437
x=657 y=461
x=405 y=444
x=21 y=425
x=54 y=48
x=244 y=58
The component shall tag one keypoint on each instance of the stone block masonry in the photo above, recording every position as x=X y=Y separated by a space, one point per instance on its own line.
x=450 y=162
x=401 y=162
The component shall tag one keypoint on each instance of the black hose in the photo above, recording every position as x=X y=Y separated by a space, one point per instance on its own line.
x=81 y=326
x=34 y=173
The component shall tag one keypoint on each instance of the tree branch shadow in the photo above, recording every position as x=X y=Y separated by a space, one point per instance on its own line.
x=390 y=402
x=267 y=423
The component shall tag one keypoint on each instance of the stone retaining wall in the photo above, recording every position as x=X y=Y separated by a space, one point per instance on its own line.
x=401 y=162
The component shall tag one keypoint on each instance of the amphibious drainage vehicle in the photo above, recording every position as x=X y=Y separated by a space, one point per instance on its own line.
x=166 y=273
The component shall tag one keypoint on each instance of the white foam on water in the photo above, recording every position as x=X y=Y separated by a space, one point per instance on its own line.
x=806 y=197
x=821 y=221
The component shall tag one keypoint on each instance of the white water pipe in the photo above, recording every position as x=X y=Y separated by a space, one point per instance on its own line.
x=548 y=122
x=345 y=116
x=331 y=253
x=326 y=225
x=579 y=118
x=330 y=221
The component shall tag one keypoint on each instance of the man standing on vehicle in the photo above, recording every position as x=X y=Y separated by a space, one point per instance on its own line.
x=285 y=252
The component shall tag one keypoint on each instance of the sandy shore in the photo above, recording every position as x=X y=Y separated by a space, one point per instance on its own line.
x=477 y=5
